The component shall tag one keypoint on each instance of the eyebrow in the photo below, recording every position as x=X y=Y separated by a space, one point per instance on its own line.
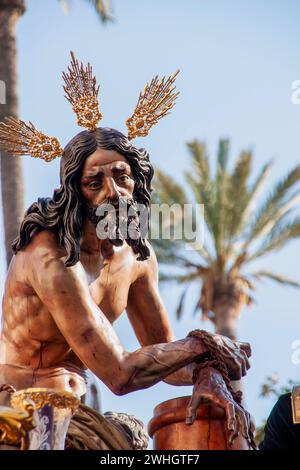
x=116 y=170
x=93 y=175
x=120 y=169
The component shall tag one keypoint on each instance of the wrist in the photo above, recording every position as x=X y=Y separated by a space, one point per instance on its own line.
x=198 y=346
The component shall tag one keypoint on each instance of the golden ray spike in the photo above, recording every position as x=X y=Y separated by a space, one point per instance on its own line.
x=82 y=92
x=154 y=102
x=19 y=138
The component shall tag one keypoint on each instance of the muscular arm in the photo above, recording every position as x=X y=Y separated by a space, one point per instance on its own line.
x=149 y=318
x=65 y=293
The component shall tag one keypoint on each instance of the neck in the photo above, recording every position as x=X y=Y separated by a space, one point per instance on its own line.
x=91 y=244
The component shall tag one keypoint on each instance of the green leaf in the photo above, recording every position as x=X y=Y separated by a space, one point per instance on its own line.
x=221 y=207
x=277 y=201
x=279 y=236
x=252 y=195
x=237 y=194
x=181 y=304
x=167 y=190
x=223 y=153
x=200 y=162
x=276 y=277
x=103 y=9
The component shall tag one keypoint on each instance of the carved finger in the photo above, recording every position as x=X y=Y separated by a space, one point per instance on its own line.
x=192 y=408
x=235 y=433
x=246 y=360
x=244 y=368
x=246 y=348
x=231 y=421
x=247 y=363
x=244 y=423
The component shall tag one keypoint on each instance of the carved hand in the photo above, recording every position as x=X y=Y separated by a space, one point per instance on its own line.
x=234 y=353
x=211 y=388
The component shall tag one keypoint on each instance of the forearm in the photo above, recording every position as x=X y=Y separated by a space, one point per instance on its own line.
x=150 y=364
x=183 y=376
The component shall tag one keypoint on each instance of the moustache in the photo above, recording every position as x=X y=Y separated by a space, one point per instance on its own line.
x=117 y=220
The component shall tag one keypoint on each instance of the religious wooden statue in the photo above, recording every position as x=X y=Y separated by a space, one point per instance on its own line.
x=67 y=282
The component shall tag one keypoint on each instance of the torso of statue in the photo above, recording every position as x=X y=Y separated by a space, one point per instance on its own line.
x=33 y=352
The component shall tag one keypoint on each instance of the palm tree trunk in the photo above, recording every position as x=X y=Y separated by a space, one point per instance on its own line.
x=228 y=302
x=226 y=318
x=227 y=312
x=11 y=167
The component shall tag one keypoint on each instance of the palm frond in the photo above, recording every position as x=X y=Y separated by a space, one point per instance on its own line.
x=167 y=210
x=170 y=197
x=279 y=236
x=167 y=190
x=171 y=253
x=203 y=251
x=253 y=193
x=247 y=208
x=280 y=214
x=103 y=9
x=223 y=153
x=180 y=306
x=276 y=277
x=204 y=194
x=200 y=163
x=166 y=251
x=200 y=182
x=277 y=202
x=221 y=206
x=241 y=172
x=237 y=195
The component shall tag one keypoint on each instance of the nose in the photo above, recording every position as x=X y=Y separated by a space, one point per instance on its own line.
x=112 y=191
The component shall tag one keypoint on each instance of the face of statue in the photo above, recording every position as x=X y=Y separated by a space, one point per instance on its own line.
x=107 y=186
x=106 y=176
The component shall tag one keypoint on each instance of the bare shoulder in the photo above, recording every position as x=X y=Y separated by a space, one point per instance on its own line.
x=150 y=265
x=46 y=271
x=46 y=260
x=44 y=246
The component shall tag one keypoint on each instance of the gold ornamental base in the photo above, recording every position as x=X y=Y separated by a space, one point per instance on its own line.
x=53 y=411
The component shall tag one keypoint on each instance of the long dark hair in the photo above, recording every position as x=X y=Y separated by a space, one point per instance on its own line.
x=64 y=212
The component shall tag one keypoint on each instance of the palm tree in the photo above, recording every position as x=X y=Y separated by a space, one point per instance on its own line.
x=11 y=168
x=238 y=232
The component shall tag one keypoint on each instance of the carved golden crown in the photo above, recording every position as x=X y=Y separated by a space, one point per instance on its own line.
x=154 y=102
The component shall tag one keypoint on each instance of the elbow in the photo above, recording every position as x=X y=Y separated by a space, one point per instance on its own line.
x=124 y=381
x=120 y=389
x=124 y=385
x=168 y=381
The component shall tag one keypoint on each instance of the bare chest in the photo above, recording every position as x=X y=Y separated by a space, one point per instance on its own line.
x=109 y=283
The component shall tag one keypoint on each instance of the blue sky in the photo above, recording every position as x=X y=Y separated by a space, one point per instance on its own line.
x=238 y=60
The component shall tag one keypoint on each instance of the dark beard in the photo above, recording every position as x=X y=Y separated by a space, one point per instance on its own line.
x=119 y=220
